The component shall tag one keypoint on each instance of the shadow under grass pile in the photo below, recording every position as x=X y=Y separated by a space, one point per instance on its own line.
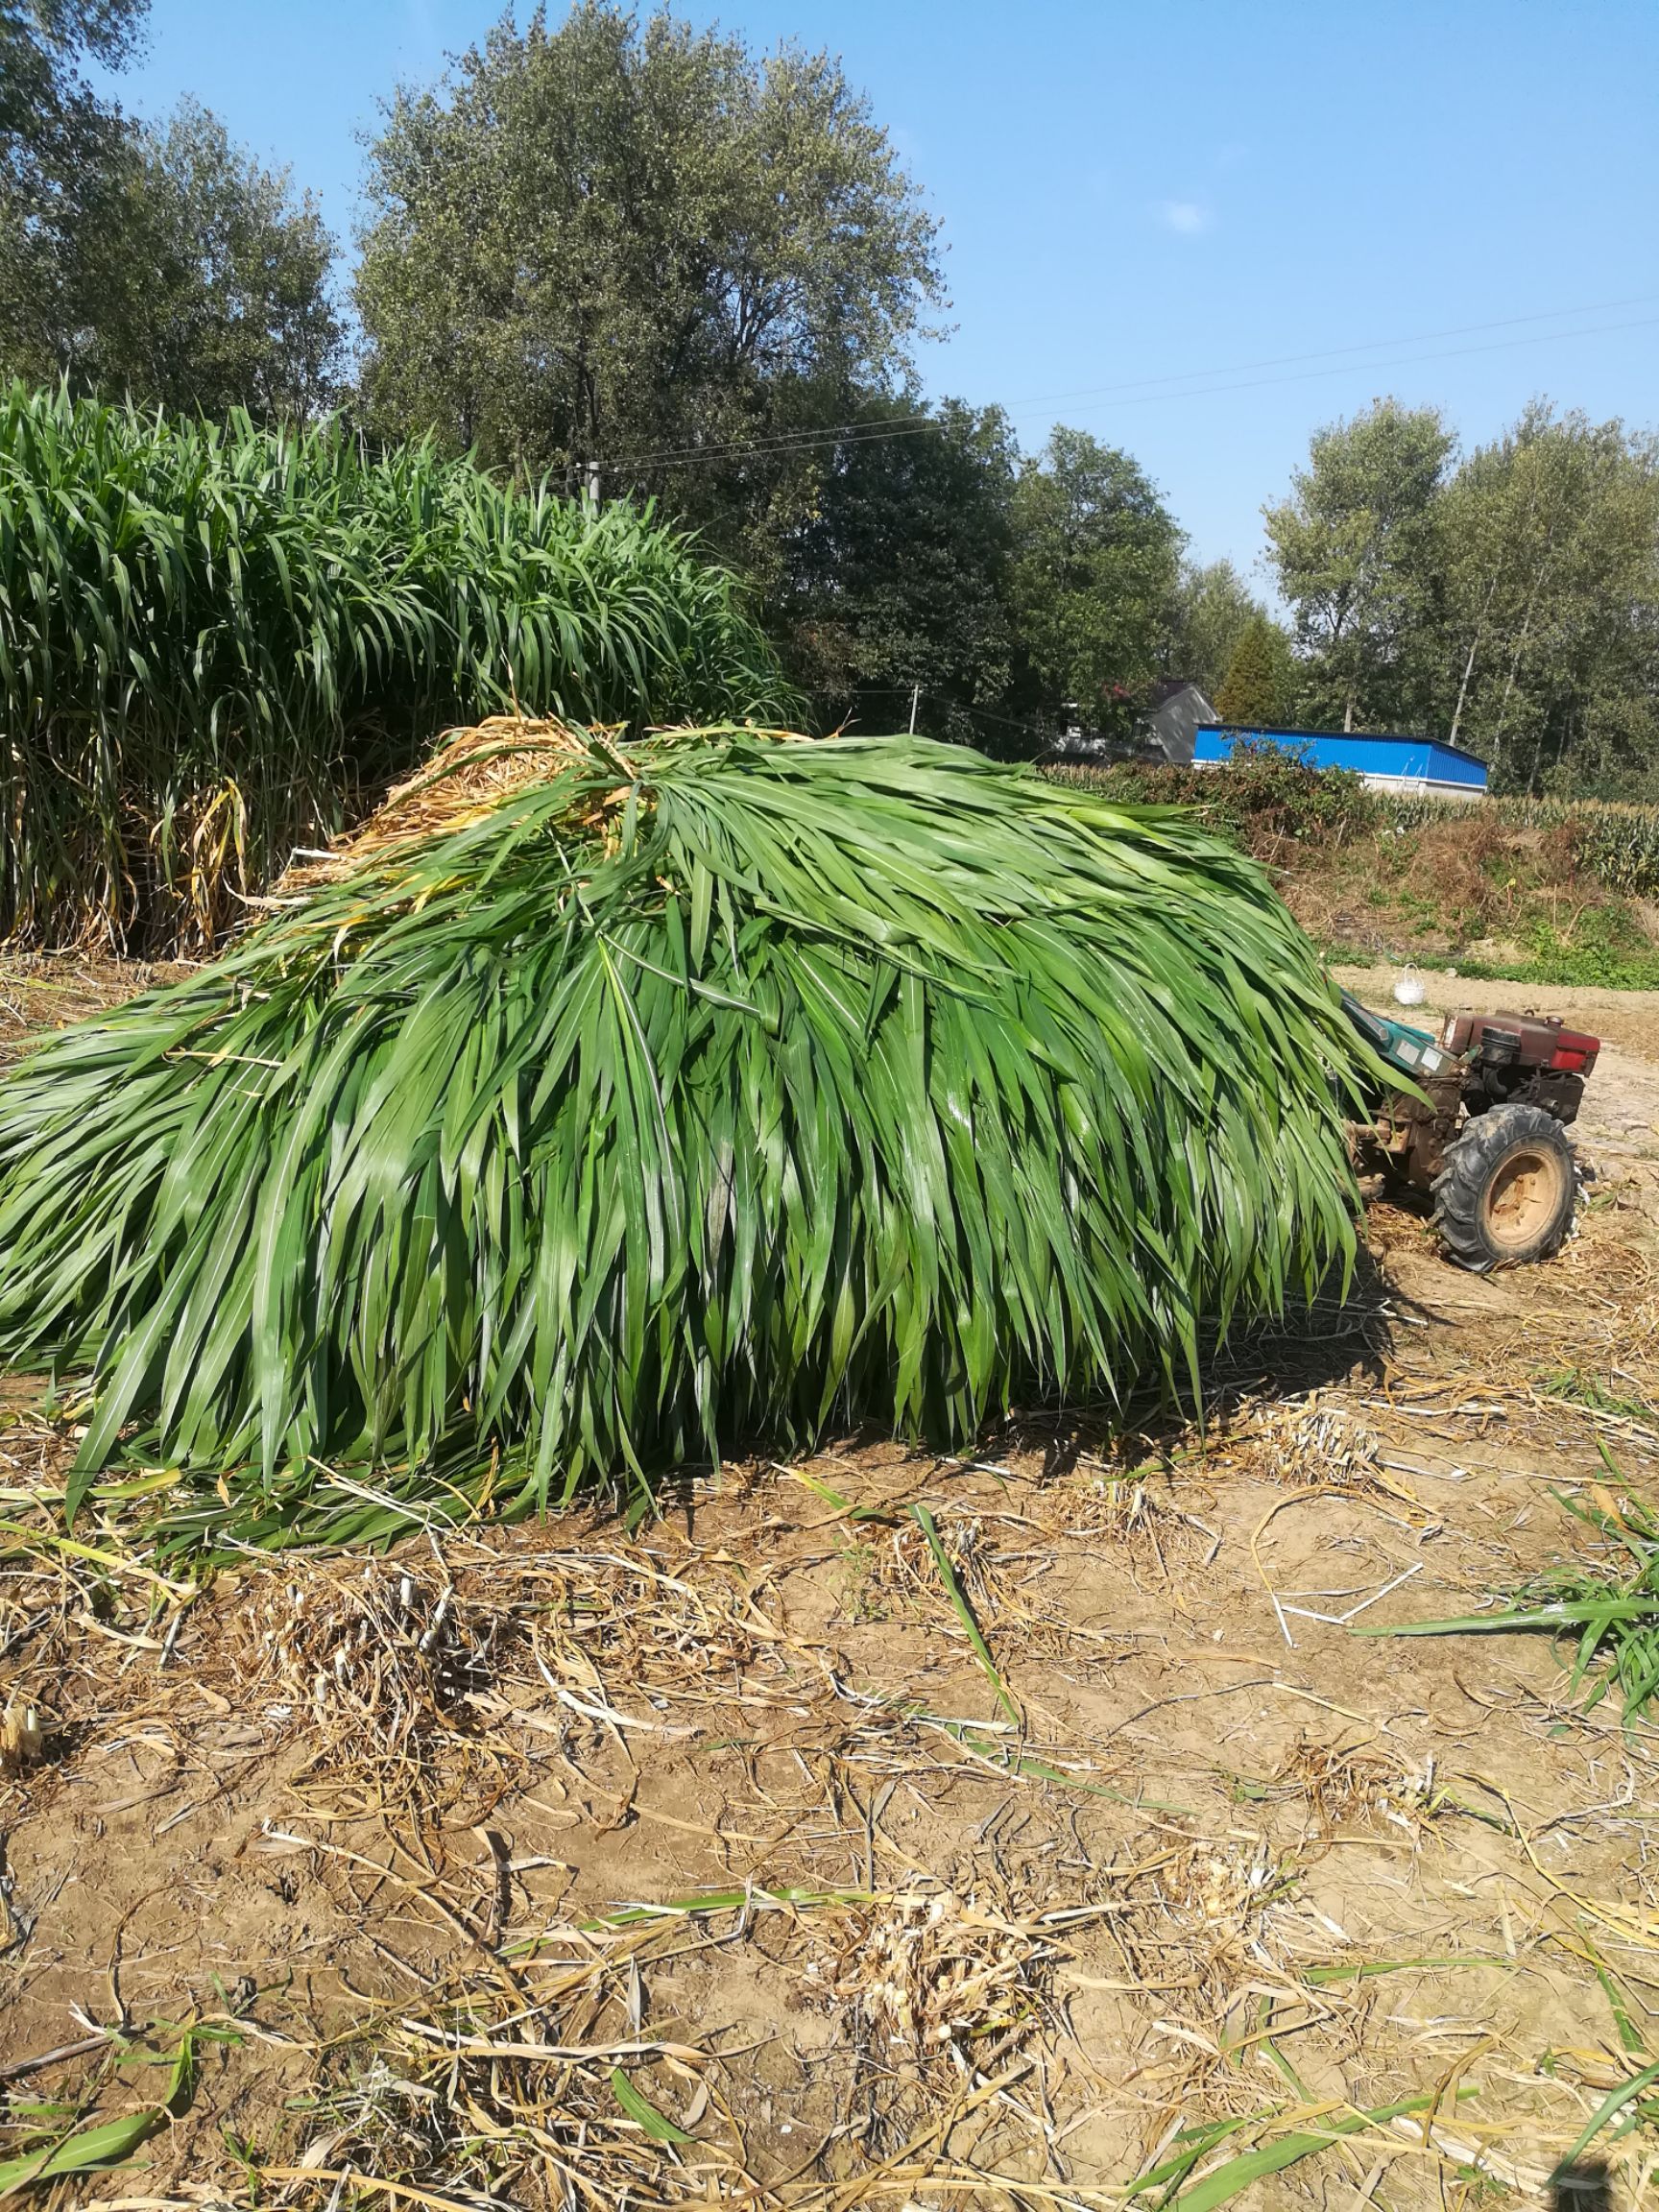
x=703 y=1093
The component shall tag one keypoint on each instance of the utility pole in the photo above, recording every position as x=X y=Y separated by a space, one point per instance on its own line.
x=590 y=484
x=915 y=696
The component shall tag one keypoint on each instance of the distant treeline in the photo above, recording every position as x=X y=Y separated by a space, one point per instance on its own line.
x=634 y=259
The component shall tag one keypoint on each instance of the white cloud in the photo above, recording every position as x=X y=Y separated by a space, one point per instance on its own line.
x=1184 y=217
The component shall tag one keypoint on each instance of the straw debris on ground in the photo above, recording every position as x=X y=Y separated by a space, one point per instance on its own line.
x=1025 y=1827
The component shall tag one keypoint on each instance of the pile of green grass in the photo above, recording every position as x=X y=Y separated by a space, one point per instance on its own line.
x=216 y=641
x=712 y=1091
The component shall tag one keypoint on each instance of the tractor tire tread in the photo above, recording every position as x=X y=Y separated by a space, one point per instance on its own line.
x=1471 y=1159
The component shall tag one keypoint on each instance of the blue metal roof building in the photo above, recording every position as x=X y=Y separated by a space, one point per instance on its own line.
x=1389 y=763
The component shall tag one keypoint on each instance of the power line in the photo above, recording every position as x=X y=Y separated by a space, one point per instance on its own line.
x=1332 y=353
x=1239 y=369
x=967 y=707
x=867 y=433
x=1149 y=391
x=990 y=714
x=1409 y=361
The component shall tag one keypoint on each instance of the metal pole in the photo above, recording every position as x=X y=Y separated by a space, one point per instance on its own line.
x=915 y=696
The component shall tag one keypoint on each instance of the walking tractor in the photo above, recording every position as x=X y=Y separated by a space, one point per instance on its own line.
x=1482 y=1131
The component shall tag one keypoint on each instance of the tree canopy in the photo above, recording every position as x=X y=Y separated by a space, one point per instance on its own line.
x=44 y=48
x=1258 y=689
x=1508 y=601
x=899 y=581
x=163 y=264
x=636 y=245
x=213 y=286
x=1094 y=575
x=1352 y=548
x=59 y=149
x=1213 y=608
x=1549 y=583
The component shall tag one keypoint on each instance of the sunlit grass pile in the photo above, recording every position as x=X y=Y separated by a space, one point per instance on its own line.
x=217 y=639
x=613 y=1106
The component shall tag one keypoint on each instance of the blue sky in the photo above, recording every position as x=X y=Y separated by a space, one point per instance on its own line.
x=1196 y=227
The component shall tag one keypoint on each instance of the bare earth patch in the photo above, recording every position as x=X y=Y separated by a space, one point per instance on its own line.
x=877 y=1830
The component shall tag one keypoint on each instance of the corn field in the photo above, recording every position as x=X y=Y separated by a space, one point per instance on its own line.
x=216 y=643
x=1617 y=844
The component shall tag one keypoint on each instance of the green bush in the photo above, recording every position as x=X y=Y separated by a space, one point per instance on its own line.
x=1605 y=950
x=1264 y=794
x=215 y=638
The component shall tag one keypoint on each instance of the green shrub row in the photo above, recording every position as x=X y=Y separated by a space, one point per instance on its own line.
x=217 y=639
x=1267 y=795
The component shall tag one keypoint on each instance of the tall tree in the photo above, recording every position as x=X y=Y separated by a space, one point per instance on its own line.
x=1213 y=608
x=1256 y=691
x=1356 y=560
x=639 y=245
x=1095 y=560
x=207 y=287
x=60 y=151
x=898 y=587
x=1552 y=595
x=165 y=264
x=44 y=48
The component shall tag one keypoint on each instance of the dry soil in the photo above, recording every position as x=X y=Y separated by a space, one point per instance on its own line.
x=883 y=1829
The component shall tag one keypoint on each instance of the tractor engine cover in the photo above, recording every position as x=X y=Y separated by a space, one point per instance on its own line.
x=1529 y=1059
x=1520 y=1041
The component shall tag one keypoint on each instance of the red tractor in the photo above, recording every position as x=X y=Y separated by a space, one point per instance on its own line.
x=1484 y=1133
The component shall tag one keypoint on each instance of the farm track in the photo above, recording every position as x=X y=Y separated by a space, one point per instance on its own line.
x=992 y=1821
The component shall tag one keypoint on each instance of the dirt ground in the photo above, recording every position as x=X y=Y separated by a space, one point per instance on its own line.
x=1032 y=1831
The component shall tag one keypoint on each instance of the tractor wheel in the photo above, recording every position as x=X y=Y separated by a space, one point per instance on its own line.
x=1506 y=1192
